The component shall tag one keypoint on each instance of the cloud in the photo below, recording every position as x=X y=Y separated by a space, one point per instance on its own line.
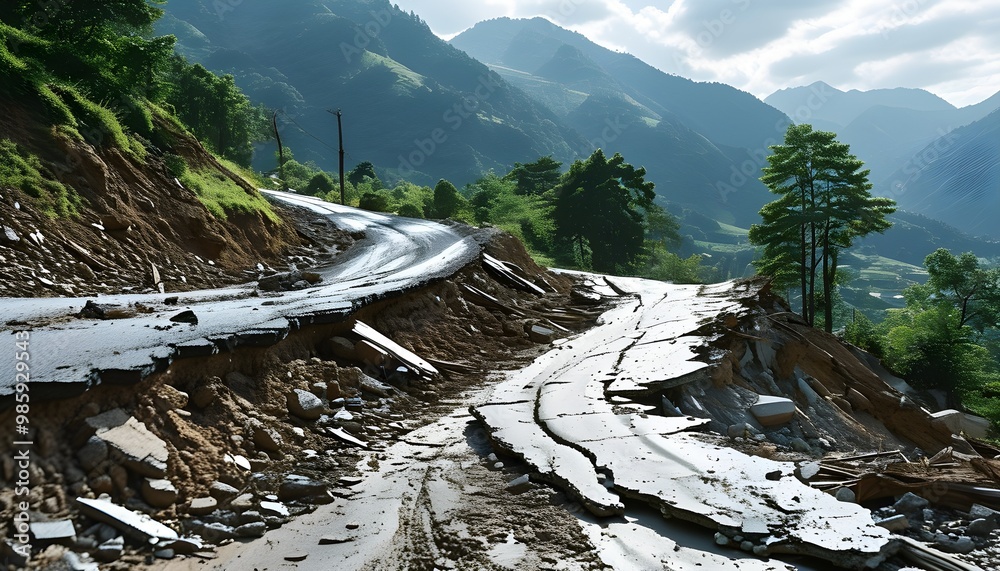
x=945 y=46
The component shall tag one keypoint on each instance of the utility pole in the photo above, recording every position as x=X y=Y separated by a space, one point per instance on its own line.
x=340 y=133
x=281 y=151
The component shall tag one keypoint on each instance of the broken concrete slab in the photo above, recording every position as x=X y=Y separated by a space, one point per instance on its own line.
x=131 y=443
x=135 y=525
x=61 y=531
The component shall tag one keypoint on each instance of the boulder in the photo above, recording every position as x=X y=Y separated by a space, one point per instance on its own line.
x=267 y=439
x=982 y=527
x=539 y=334
x=253 y=529
x=859 y=401
x=92 y=453
x=297 y=487
x=333 y=391
x=304 y=405
x=519 y=485
x=910 y=504
x=110 y=550
x=202 y=506
x=113 y=223
x=222 y=492
x=340 y=347
x=772 y=411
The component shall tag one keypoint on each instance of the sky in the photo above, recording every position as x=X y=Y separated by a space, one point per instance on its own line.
x=948 y=47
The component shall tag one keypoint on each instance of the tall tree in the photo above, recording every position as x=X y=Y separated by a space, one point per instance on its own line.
x=536 y=177
x=824 y=204
x=447 y=201
x=960 y=281
x=600 y=205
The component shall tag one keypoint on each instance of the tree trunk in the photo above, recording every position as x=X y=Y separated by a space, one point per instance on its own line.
x=827 y=282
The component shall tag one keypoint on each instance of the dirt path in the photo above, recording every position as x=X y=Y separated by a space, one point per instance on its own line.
x=432 y=501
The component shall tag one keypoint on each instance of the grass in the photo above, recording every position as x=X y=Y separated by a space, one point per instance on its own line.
x=23 y=170
x=223 y=197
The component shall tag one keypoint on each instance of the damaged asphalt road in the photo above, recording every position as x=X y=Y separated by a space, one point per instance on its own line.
x=397 y=254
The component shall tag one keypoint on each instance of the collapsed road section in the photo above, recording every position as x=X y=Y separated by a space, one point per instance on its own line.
x=79 y=343
x=596 y=419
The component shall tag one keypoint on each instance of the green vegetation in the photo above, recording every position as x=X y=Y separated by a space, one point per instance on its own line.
x=98 y=75
x=22 y=170
x=824 y=205
x=947 y=336
x=223 y=197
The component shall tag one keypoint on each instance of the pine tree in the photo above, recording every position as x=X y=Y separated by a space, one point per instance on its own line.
x=824 y=204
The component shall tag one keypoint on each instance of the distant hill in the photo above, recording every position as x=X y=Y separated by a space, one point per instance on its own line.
x=956 y=178
x=413 y=105
x=885 y=127
x=702 y=143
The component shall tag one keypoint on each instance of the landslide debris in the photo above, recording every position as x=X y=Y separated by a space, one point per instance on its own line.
x=232 y=445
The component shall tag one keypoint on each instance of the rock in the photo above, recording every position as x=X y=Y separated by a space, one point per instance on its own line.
x=721 y=540
x=736 y=430
x=808 y=470
x=92 y=453
x=296 y=556
x=318 y=389
x=222 y=492
x=113 y=223
x=373 y=386
x=164 y=554
x=169 y=398
x=159 y=493
x=297 y=487
x=772 y=411
x=202 y=506
x=746 y=546
x=102 y=485
x=250 y=516
x=799 y=445
x=273 y=509
x=183 y=545
x=842 y=403
x=353 y=525
x=186 y=316
x=519 y=485
x=983 y=512
x=214 y=532
x=895 y=523
x=981 y=527
x=242 y=502
x=304 y=405
x=253 y=529
x=539 y=334
x=267 y=439
x=370 y=353
x=910 y=504
x=845 y=495
x=960 y=545
x=110 y=550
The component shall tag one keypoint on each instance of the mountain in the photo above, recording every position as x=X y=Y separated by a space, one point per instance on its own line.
x=412 y=104
x=701 y=143
x=956 y=178
x=885 y=127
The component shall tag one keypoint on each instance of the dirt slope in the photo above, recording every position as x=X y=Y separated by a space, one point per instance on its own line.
x=134 y=216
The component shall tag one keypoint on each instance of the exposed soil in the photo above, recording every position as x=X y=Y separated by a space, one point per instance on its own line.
x=137 y=228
